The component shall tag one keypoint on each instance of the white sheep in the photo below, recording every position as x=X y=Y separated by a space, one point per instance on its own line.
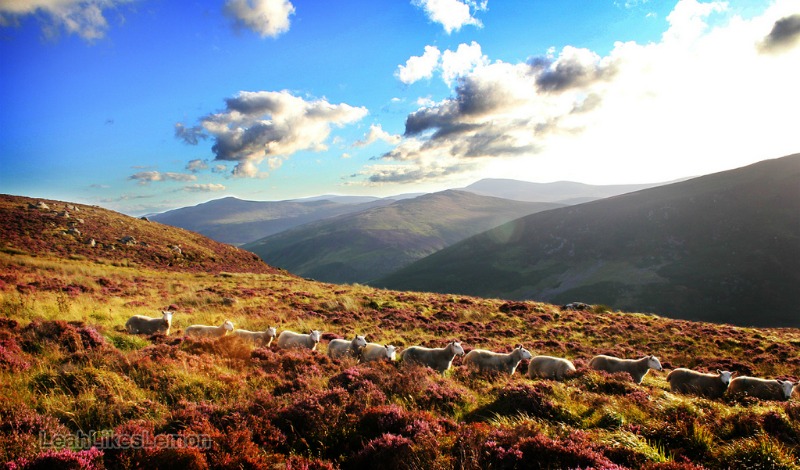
x=780 y=390
x=637 y=368
x=549 y=367
x=439 y=359
x=290 y=339
x=690 y=381
x=338 y=348
x=206 y=331
x=259 y=337
x=484 y=360
x=147 y=325
x=377 y=352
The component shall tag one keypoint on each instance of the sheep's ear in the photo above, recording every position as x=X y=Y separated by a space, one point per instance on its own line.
x=719 y=372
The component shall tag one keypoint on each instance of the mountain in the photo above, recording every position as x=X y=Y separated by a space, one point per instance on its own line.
x=563 y=192
x=68 y=365
x=81 y=232
x=235 y=221
x=372 y=243
x=722 y=248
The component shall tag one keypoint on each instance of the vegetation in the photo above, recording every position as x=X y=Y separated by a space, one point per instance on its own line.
x=71 y=376
x=372 y=243
x=721 y=248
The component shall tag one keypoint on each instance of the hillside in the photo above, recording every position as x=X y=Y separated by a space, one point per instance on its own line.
x=78 y=391
x=235 y=221
x=101 y=236
x=723 y=248
x=369 y=244
x=562 y=192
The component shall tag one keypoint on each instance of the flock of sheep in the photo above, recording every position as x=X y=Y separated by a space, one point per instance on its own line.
x=681 y=380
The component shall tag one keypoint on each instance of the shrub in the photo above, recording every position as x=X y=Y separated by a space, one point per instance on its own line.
x=762 y=452
x=505 y=450
x=21 y=428
x=72 y=337
x=513 y=399
x=318 y=422
x=394 y=452
x=64 y=459
x=11 y=356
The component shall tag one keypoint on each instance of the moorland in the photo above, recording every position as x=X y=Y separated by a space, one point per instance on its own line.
x=69 y=369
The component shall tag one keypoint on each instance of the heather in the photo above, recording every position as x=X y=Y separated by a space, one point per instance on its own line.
x=77 y=391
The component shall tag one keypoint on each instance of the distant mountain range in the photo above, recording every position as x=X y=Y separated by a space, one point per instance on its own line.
x=237 y=221
x=723 y=248
x=369 y=244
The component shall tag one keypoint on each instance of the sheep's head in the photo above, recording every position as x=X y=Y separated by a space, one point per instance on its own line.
x=167 y=316
x=654 y=363
x=524 y=353
x=272 y=331
x=787 y=386
x=725 y=376
x=391 y=352
x=360 y=341
x=228 y=325
x=456 y=348
x=315 y=335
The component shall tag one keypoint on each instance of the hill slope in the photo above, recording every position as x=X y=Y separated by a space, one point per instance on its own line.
x=78 y=391
x=235 y=221
x=723 y=247
x=103 y=236
x=369 y=244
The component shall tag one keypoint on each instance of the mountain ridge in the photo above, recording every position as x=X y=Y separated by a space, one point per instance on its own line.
x=362 y=246
x=714 y=248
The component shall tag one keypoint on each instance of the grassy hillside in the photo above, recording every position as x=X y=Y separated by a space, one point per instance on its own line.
x=231 y=220
x=723 y=248
x=367 y=245
x=96 y=235
x=68 y=368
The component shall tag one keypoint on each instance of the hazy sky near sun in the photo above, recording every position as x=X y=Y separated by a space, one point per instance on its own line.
x=146 y=105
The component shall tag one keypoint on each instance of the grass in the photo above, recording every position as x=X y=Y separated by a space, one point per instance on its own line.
x=66 y=364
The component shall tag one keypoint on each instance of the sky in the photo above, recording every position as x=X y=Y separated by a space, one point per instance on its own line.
x=141 y=106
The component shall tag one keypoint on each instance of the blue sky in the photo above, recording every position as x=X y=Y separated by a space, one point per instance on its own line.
x=146 y=105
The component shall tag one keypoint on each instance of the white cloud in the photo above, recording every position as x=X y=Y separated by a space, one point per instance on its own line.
x=464 y=60
x=452 y=14
x=204 y=188
x=419 y=67
x=264 y=17
x=451 y=64
x=82 y=17
x=375 y=133
x=272 y=126
x=197 y=165
x=700 y=100
x=146 y=177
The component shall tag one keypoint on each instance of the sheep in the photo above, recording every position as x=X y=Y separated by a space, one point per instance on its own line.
x=338 y=348
x=637 y=368
x=377 y=352
x=439 y=359
x=290 y=339
x=698 y=383
x=147 y=325
x=780 y=390
x=264 y=337
x=205 y=331
x=484 y=360
x=549 y=367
